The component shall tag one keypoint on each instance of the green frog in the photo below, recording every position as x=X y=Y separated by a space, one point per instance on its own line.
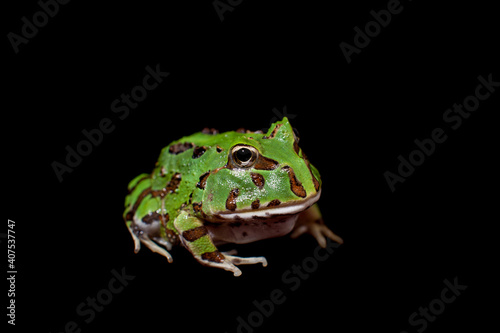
x=238 y=187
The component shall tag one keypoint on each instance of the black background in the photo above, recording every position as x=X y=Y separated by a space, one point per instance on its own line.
x=354 y=120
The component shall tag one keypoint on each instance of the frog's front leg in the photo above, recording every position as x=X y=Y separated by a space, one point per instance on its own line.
x=310 y=221
x=196 y=238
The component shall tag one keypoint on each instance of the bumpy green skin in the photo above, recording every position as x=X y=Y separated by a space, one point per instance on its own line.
x=196 y=175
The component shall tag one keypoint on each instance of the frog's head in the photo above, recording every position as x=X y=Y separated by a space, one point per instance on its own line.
x=266 y=177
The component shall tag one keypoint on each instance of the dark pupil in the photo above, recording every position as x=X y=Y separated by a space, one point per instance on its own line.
x=244 y=154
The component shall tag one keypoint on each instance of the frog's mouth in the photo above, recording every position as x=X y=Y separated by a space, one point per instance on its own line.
x=267 y=212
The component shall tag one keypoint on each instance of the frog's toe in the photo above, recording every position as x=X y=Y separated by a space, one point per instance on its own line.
x=245 y=261
x=330 y=234
x=230 y=252
x=158 y=249
x=222 y=263
x=137 y=241
x=230 y=261
x=319 y=231
x=228 y=266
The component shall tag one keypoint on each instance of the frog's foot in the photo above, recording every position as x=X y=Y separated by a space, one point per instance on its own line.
x=231 y=255
x=151 y=245
x=228 y=262
x=319 y=231
x=310 y=222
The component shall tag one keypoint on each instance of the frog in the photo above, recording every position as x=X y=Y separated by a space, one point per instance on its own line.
x=237 y=187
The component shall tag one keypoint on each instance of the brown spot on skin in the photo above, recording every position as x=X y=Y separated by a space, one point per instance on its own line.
x=258 y=179
x=197 y=206
x=151 y=217
x=180 y=147
x=172 y=237
x=273 y=133
x=296 y=147
x=203 y=180
x=195 y=233
x=158 y=193
x=264 y=163
x=139 y=199
x=256 y=204
x=199 y=151
x=246 y=131
x=211 y=131
x=129 y=216
x=219 y=169
x=214 y=256
x=173 y=184
x=231 y=199
x=314 y=180
x=274 y=203
x=295 y=185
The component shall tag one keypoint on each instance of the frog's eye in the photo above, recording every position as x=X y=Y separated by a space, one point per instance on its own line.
x=244 y=156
